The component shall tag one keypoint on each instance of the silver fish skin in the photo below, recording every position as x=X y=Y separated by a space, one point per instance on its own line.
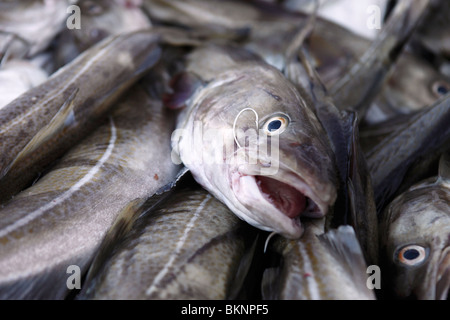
x=318 y=266
x=35 y=23
x=415 y=241
x=18 y=76
x=434 y=34
x=40 y=125
x=372 y=69
x=406 y=90
x=189 y=245
x=391 y=158
x=100 y=19
x=268 y=188
x=61 y=220
x=332 y=59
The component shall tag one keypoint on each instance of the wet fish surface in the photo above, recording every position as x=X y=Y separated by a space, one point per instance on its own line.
x=318 y=266
x=415 y=242
x=41 y=124
x=227 y=91
x=60 y=221
x=189 y=245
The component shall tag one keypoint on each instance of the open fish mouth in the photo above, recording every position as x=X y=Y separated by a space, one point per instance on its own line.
x=276 y=203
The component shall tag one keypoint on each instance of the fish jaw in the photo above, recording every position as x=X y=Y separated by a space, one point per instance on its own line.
x=277 y=202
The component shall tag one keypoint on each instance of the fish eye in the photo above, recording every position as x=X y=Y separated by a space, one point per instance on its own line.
x=411 y=255
x=440 y=88
x=276 y=125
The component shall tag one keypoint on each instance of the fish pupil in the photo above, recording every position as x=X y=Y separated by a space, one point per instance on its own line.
x=274 y=125
x=442 y=90
x=411 y=254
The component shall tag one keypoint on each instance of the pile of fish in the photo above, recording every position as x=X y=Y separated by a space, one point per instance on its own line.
x=160 y=149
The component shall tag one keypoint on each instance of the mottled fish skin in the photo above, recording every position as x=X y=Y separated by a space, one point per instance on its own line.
x=35 y=23
x=418 y=221
x=41 y=124
x=318 y=266
x=189 y=246
x=234 y=79
x=61 y=220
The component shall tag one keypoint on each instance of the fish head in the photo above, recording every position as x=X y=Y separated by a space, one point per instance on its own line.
x=410 y=89
x=417 y=243
x=273 y=162
x=104 y=18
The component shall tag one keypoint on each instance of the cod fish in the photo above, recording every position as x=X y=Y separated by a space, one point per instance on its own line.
x=250 y=139
x=187 y=246
x=415 y=239
x=34 y=23
x=100 y=19
x=61 y=220
x=41 y=124
x=318 y=266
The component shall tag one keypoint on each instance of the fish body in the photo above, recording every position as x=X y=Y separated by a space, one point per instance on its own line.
x=397 y=152
x=41 y=124
x=189 y=245
x=415 y=239
x=34 y=23
x=100 y=19
x=237 y=95
x=61 y=220
x=318 y=266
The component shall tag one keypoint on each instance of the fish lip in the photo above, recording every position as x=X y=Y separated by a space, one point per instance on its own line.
x=279 y=222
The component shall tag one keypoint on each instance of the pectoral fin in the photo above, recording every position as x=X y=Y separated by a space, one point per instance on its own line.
x=65 y=117
x=344 y=245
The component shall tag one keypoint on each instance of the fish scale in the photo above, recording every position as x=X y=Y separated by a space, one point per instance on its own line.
x=79 y=203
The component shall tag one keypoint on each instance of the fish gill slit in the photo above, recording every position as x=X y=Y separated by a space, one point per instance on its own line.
x=160 y=276
x=30 y=111
x=66 y=195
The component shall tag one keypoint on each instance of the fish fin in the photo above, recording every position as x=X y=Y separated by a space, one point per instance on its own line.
x=243 y=270
x=183 y=86
x=63 y=118
x=444 y=169
x=270 y=283
x=344 y=245
x=171 y=185
x=120 y=227
x=370 y=72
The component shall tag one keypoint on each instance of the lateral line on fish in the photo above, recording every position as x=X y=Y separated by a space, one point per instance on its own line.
x=77 y=75
x=33 y=215
x=312 y=287
x=178 y=247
